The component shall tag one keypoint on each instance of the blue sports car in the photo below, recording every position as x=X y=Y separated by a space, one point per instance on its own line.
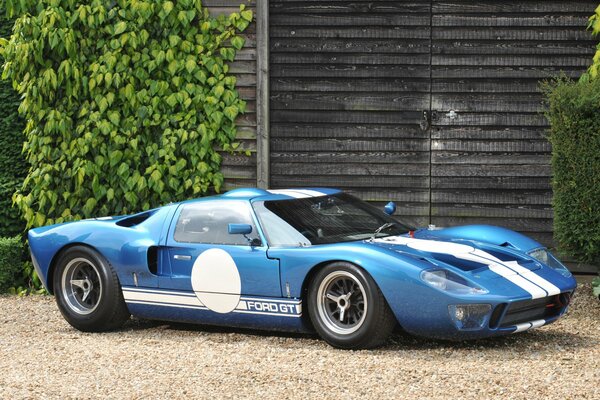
x=299 y=260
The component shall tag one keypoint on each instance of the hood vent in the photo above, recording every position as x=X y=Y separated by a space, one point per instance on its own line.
x=465 y=265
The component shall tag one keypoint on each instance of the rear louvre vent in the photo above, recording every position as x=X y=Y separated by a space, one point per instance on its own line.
x=134 y=220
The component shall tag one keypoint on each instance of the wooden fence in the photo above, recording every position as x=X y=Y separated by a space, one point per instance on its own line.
x=433 y=104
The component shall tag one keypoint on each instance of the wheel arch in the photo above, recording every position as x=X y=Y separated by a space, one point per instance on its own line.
x=56 y=257
x=396 y=277
x=317 y=267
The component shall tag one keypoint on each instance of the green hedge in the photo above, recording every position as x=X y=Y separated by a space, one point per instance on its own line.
x=11 y=262
x=574 y=116
x=13 y=167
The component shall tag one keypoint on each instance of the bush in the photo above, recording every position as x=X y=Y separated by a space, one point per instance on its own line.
x=13 y=167
x=11 y=262
x=574 y=116
x=127 y=103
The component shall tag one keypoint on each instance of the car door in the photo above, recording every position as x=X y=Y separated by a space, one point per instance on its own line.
x=217 y=265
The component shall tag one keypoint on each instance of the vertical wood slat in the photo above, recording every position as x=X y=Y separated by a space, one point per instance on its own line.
x=262 y=95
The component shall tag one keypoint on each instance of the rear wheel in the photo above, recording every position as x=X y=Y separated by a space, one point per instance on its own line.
x=347 y=308
x=87 y=291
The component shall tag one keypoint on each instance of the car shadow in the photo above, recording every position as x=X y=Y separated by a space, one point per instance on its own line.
x=540 y=340
x=140 y=324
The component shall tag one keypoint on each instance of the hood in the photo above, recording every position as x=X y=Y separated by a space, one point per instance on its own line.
x=472 y=257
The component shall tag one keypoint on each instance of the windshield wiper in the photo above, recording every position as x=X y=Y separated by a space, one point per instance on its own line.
x=382 y=227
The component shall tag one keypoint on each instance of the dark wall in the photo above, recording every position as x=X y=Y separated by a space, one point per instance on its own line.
x=349 y=84
x=240 y=169
x=350 y=81
x=491 y=164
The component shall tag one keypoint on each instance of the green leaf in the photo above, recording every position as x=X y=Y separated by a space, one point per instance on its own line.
x=120 y=27
x=113 y=116
x=89 y=206
x=231 y=112
x=247 y=15
x=173 y=66
x=238 y=42
x=227 y=53
x=116 y=157
x=218 y=91
x=167 y=7
x=190 y=65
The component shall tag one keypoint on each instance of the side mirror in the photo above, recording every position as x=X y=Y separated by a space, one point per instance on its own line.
x=239 y=229
x=390 y=208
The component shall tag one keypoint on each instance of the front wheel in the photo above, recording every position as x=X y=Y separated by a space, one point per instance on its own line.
x=347 y=308
x=87 y=291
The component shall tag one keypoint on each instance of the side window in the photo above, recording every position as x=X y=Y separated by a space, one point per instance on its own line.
x=208 y=221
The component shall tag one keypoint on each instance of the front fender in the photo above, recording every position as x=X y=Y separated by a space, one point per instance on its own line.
x=397 y=276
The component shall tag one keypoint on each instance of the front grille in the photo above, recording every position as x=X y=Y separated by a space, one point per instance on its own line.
x=530 y=310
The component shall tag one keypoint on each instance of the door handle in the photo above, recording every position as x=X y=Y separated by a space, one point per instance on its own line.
x=182 y=257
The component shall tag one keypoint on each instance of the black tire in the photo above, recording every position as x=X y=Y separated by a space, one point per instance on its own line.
x=367 y=320
x=81 y=270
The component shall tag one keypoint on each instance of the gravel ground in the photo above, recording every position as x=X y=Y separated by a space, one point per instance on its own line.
x=41 y=356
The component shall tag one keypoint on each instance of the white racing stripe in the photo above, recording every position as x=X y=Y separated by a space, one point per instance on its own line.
x=153 y=303
x=162 y=298
x=158 y=291
x=298 y=193
x=527 y=280
x=268 y=313
x=533 y=277
x=188 y=300
x=291 y=193
x=535 y=291
x=311 y=193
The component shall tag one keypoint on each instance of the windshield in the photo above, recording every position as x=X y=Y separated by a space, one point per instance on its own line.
x=325 y=219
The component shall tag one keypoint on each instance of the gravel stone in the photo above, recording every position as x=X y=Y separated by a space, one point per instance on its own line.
x=41 y=356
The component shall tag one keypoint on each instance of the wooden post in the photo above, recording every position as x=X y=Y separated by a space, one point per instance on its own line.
x=262 y=94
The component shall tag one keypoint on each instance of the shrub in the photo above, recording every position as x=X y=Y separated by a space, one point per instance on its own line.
x=127 y=103
x=11 y=262
x=13 y=167
x=574 y=116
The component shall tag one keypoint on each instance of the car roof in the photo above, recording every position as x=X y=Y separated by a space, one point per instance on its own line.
x=255 y=194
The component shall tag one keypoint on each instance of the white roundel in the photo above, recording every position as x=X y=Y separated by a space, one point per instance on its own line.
x=216 y=281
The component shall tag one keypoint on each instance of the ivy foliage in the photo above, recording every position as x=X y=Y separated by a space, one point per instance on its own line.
x=127 y=102
x=13 y=167
x=594 y=26
x=11 y=261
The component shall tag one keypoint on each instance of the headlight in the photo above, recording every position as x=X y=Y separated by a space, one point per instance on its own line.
x=448 y=281
x=546 y=258
x=469 y=317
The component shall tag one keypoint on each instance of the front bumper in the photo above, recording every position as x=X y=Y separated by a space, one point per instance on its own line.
x=505 y=317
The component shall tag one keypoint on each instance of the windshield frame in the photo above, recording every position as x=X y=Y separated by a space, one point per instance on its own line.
x=261 y=211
